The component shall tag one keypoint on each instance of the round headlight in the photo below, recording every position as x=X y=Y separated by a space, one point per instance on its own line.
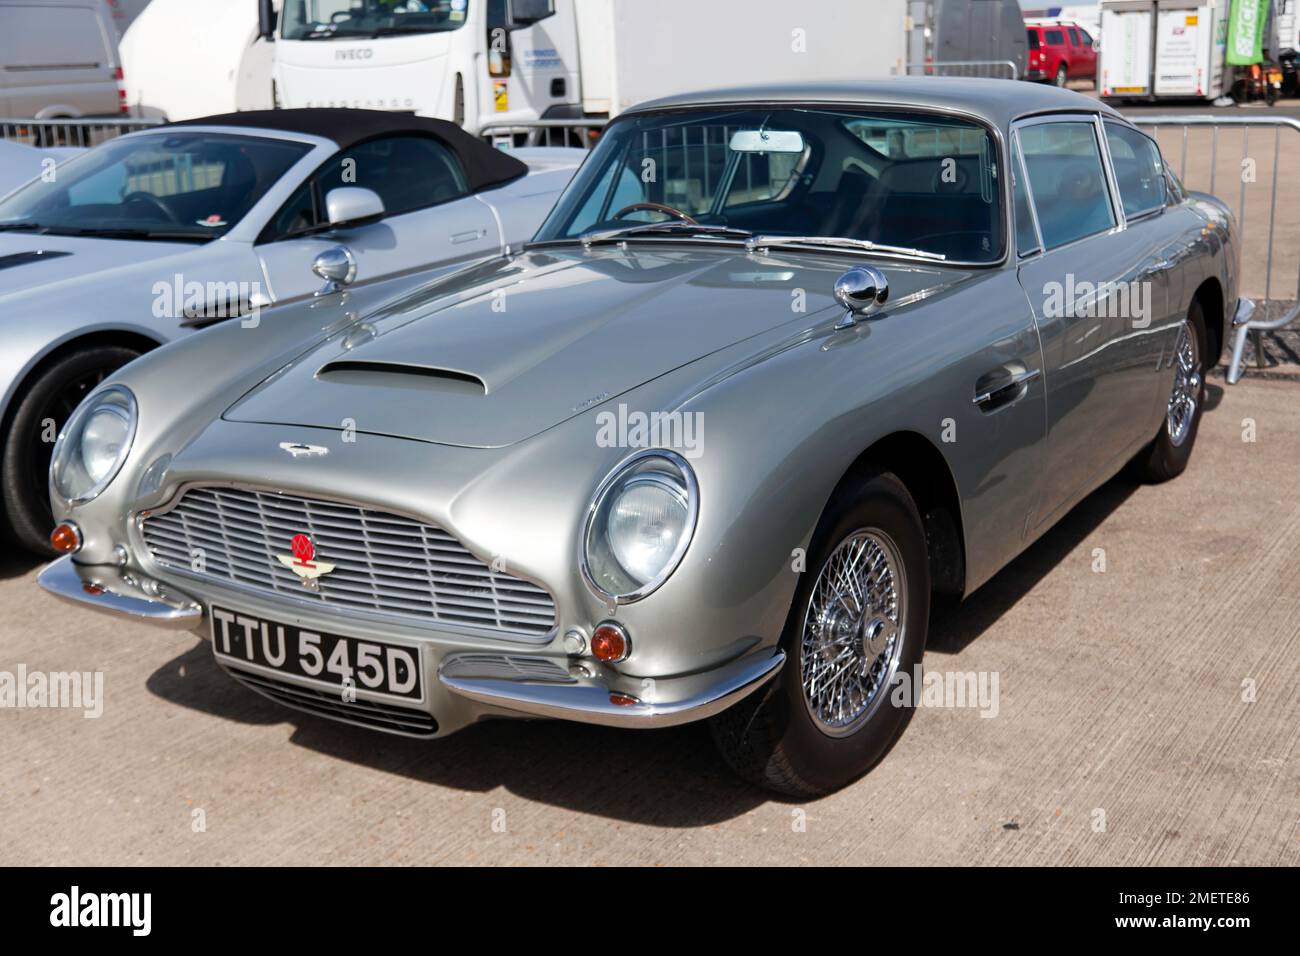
x=639 y=525
x=94 y=445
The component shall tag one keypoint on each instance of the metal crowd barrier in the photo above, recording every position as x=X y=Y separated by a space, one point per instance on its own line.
x=1253 y=169
x=564 y=132
x=994 y=69
x=70 y=132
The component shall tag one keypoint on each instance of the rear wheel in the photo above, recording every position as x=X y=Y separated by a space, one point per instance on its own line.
x=1062 y=75
x=1167 y=455
x=41 y=413
x=859 y=618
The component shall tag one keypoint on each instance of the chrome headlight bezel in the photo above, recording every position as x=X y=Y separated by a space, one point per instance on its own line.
x=68 y=448
x=658 y=465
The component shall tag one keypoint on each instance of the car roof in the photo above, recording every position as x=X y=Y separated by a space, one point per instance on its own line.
x=484 y=165
x=997 y=102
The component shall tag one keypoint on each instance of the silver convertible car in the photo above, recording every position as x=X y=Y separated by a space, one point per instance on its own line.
x=150 y=236
x=780 y=366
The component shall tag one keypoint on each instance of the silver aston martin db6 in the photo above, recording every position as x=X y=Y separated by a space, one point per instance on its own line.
x=781 y=365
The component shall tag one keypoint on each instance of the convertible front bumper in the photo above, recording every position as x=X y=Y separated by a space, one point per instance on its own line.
x=468 y=683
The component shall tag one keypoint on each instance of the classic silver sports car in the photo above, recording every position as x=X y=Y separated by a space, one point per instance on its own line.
x=150 y=236
x=780 y=365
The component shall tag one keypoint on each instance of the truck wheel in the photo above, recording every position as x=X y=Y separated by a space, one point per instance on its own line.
x=859 y=619
x=1062 y=75
x=1167 y=455
x=41 y=412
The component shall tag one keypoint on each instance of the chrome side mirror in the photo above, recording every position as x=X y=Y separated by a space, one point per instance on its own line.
x=337 y=266
x=352 y=206
x=862 y=290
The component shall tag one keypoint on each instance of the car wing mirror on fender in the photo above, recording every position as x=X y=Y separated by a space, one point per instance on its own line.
x=337 y=266
x=862 y=290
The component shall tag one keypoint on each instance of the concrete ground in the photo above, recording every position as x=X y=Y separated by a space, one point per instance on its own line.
x=1147 y=714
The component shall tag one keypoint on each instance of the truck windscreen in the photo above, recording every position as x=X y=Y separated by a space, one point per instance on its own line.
x=340 y=19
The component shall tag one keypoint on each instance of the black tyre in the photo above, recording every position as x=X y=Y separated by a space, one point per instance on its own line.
x=859 y=618
x=39 y=415
x=1167 y=455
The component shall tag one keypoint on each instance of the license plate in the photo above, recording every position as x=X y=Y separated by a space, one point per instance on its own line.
x=336 y=660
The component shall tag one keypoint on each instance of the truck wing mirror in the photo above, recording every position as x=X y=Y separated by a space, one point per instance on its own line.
x=524 y=13
x=266 y=20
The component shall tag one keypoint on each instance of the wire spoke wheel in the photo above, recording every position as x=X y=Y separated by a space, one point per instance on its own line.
x=852 y=631
x=1186 y=393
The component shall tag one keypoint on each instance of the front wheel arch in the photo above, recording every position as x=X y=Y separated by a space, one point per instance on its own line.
x=928 y=478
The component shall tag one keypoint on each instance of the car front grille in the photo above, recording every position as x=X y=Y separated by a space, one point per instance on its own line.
x=395 y=720
x=383 y=563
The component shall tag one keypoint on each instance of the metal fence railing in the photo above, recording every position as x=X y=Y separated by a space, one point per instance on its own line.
x=70 y=132
x=564 y=132
x=994 y=69
x=1218 y=155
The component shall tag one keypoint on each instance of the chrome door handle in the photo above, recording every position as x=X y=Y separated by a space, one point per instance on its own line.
x=458 y=237
x=1006 y=390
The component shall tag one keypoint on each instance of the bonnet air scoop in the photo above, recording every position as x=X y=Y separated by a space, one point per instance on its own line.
x=424 y=378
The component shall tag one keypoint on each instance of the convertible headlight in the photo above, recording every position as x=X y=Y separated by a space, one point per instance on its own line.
x=640 y=524
x=94 y=445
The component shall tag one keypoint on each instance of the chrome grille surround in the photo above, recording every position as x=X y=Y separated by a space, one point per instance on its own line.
x=385 y=564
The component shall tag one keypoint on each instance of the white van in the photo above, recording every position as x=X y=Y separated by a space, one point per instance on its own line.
x=58 y=58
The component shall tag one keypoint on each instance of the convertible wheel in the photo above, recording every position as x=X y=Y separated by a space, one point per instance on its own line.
x=1167 y=455
x=25 y=466
x=859 y=618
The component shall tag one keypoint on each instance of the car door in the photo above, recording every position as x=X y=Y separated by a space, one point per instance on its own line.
x=429 y=218
x=1091 y=291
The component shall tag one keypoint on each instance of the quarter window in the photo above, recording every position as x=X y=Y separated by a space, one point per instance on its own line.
x=1139 y=170
x=1026 y=236
x=1067 y=180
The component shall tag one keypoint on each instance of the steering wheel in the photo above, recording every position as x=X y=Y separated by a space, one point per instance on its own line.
x=957 y=184
x=656 y=207
x=150 y=199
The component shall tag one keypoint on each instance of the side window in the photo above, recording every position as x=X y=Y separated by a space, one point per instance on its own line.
x=1055 y=38
x=1074 y=36
x=1139 y=170
x=1026 y=235
x=1067 y=179
x=1085 y=36
x=408 y=172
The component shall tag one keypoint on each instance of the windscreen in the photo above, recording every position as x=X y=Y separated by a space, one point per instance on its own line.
x=337 y=19
x=925 y=181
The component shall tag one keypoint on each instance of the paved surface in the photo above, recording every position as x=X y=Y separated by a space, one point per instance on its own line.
x=1121 y=693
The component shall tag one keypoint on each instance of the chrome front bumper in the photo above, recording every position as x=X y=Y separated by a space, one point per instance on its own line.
x=105 y=588
x=587 y=698
x=559 y=687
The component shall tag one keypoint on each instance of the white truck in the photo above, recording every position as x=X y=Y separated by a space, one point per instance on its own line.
x=188 y=58
x=482 y=62
x=1163 y=49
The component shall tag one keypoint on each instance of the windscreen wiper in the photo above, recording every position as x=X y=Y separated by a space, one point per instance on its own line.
x=685 y=229
x=839 y=243
x=21 y=226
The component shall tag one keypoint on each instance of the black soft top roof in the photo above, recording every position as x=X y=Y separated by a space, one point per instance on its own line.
x=484 y=165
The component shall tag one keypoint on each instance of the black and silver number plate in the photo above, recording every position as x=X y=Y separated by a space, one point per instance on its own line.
x=333 y=659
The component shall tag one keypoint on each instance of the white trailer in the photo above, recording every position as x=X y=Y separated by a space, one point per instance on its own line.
x=1163 y=49
x=478 y=62
x=188 y=58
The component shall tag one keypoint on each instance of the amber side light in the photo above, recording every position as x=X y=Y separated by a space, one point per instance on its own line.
x=66 y=538
x=610 y=643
